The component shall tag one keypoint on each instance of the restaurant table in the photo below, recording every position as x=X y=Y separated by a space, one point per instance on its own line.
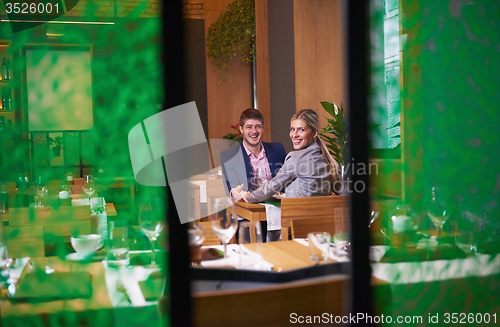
x=251 y=211
x=116 y=296
x=297 y=284
x=289 y=260
x=468 y=286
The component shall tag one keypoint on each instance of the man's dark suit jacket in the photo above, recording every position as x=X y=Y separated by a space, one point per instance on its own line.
x=237 y=169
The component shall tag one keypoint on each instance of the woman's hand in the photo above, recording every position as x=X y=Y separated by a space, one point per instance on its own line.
x=244 y=196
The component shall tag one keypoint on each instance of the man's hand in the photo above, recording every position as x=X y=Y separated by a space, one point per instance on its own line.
x=236 y=193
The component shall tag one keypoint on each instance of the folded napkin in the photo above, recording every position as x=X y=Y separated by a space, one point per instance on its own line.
x=273 y=216
x=42 y=287
x=248 y=260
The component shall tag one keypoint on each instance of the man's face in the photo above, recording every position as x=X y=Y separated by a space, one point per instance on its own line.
x=252 y=131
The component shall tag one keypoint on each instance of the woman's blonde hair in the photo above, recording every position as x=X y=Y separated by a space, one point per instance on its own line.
x=310 y=117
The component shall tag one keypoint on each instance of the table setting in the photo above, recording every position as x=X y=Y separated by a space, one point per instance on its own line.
x=251 y=259
x=118 y=270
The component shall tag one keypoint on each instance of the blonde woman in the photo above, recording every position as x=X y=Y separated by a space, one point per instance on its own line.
x=309 y=170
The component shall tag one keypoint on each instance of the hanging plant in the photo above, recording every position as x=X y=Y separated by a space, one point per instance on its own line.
x=231 y=34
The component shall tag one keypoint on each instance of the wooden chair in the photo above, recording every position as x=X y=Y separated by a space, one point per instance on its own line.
x=56 y=223
x=25 y=241
x=210 y=237
x=301 y=227
x=215 y=189
x=312 y=208
x=271 y=305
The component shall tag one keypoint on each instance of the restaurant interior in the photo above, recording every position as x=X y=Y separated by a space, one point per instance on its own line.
x=116 y=203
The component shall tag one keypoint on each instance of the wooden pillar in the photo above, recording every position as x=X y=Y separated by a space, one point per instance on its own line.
x=262 y=55
x=300 y=59
x=226 y=100
x=320 y=45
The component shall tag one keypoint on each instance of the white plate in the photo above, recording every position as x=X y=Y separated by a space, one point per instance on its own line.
x=76 y=257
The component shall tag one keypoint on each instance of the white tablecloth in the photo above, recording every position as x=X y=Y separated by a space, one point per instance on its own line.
x=426 y=271
x=129 y=278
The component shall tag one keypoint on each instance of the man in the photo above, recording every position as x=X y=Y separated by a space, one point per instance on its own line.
x=253 y=161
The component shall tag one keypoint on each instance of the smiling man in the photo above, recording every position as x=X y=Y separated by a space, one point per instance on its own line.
x=252 y=162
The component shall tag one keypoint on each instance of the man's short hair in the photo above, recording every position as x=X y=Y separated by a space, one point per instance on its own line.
x=251 y=113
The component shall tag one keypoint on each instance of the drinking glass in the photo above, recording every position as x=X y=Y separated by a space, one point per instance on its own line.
x=196 y=237
x=250 y=240
x=260 y=177
x=224 y=220
x=341 y=236
x=437 y=208
x=466 y=228
x=319 y=245
x=152 y=220
x=374 y=212
x=117 y=254
x=97 y=205
x=88 y=185
x=4 y=197
x=4 y=262
x=41 y=191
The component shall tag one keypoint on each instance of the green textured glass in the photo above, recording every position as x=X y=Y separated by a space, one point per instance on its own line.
x=449 y=78
x=77 y=90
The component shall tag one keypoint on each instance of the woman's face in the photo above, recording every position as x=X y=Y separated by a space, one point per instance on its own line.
x=301 y=134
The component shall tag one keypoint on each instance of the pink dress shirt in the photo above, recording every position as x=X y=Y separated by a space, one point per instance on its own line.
x=260 y=165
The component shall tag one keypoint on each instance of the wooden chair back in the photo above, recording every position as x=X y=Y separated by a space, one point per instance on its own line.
x=215 y=189
x=301 y=227
x=271 y=305
x=24 y=241
x=56 y=223
x=313 y=208
x=210 y=237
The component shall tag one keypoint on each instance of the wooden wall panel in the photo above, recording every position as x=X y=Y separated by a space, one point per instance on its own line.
x=320 y=61
x=226 y=100
x=262 y=51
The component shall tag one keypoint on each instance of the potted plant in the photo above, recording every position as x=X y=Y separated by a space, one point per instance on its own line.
x=236 y=135
x=56 y=143
x=232 y=33
x=335 y=133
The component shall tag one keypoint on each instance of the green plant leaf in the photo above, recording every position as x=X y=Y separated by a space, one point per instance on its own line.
x=329 y=107
x=233 y=32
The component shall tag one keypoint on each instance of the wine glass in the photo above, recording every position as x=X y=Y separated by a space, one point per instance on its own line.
x=88 y=185
x=224 y=220
x=152 y=220
x=41 y=191
x=260 y=177
x=437 y=208
x=374 y=212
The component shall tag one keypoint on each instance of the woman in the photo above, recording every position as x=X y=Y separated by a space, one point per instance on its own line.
x=308 y=171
